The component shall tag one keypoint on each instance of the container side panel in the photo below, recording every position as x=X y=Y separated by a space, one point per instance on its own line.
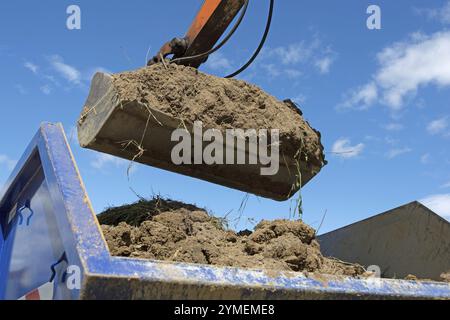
x=36 y=243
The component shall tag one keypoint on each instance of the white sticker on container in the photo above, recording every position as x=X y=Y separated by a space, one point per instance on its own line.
x=44 y=292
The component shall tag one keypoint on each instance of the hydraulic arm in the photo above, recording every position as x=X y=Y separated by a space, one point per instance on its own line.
x=211 y=22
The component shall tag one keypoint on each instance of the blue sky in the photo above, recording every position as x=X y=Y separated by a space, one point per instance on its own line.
x=379 y=97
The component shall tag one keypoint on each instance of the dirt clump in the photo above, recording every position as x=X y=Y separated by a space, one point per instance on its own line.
x=446 y=277
x=411 y=277
x=191 y=235
x=190 y=95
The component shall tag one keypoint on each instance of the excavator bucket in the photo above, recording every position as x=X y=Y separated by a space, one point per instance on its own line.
x=136 y=115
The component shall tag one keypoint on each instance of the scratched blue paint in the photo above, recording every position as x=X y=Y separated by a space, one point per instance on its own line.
x=85 y=246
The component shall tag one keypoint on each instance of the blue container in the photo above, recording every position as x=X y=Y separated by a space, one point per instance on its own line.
x=50 y=239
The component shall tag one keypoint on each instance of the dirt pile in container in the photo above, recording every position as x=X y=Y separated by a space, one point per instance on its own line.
x=190 y=95
x=172 y=231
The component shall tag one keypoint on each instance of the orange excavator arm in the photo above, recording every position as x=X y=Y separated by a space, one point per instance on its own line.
x=211 y=22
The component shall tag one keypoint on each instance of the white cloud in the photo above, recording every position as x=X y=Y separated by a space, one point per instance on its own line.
x=361 y=98
x=394 y=153
x=442 y=14
x=425 y=158
x=7 y=162
x=272 y=70
x=21 y=89
x=286 y=60
x=300 y=99
x=445 y=13
x=372 y=138
x=294 y=53
x=343 y=149
x=293 y=73
x=439 y=203
x=324 y=64
x=70 y=73
x=438 y=126
x=446 y=185
x=404 y=68
x=52 y=79
x=390 y=141
x=102 y=160
x=394 y=127
x=32 y=67
x=218 y=62
x=55 y=70
x=46 y=89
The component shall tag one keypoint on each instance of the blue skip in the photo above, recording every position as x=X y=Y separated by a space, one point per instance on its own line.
x=52 y=247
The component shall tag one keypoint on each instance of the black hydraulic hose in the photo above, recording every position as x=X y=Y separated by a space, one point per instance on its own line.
x=221 y=44
x=261 y=44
